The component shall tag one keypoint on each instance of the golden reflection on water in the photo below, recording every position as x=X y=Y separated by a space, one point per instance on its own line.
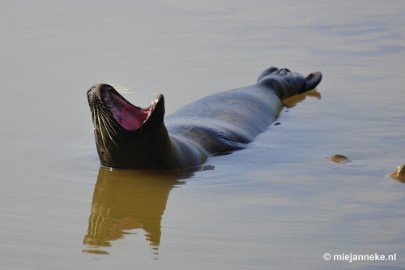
x=126 y=200
x=293 y=101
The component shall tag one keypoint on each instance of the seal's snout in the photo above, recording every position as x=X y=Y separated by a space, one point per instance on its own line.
x=91 y=91
x=92 y=96
x=97 y=90
x=94 y=93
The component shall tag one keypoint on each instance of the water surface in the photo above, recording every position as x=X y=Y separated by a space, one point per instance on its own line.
x=279 y=204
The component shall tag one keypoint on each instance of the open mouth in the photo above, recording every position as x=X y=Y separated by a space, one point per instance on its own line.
x=127 y=115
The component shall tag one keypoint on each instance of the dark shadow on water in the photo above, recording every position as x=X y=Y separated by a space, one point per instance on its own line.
x=126 y=200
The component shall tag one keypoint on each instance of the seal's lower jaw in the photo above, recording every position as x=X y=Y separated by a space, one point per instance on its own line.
x=125 y=114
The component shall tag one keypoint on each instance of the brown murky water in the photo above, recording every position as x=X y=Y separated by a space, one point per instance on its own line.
x=280 y=204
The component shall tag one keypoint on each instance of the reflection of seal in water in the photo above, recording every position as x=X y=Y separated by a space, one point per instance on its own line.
x=131 y=137
x=127 y=200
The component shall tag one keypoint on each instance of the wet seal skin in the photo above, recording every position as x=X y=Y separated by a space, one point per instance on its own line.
x=131 y=137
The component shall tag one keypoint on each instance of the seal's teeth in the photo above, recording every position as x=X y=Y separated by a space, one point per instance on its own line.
x=147 y=117
x=152 y=107
x=154 y=101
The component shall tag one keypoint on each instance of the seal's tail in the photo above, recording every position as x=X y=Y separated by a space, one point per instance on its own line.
x=311 y=81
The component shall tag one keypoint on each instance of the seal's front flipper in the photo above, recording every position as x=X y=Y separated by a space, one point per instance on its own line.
x=311 y=81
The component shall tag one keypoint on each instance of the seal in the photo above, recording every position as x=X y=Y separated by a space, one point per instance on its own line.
x=132 y=137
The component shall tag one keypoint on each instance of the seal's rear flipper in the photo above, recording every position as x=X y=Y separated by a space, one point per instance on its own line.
x=311 y=81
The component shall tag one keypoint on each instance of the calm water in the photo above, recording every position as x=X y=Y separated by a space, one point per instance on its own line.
x=280 y=204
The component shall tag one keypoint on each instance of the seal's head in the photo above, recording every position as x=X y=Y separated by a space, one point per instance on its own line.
x=287 y=83
x=122 y=128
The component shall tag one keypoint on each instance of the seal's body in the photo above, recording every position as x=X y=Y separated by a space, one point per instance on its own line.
x=131 y=137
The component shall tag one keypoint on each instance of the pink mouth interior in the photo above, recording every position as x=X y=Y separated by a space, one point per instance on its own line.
x=127 y=115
